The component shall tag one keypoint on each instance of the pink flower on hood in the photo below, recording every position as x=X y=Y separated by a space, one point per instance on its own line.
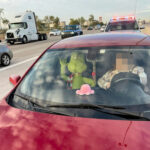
x=85 y=90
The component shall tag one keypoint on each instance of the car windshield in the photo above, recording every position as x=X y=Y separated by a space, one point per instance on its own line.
x=124 y=25
x=116 y=76
x=70 y=28
x=17 y=25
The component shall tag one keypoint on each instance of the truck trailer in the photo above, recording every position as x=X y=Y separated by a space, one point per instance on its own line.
x=23 y=29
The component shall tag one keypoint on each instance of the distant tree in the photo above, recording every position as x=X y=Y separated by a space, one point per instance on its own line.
x=2 y=19
x=36 y=18
x=81 y=21
x=5 y=21
x=1 y=12
x=52 y=18
x=95 y=22
x=49 y=19
x=101 y=23
x=46 y=19
x=39 y=23
x=91 y=19
x=56 y=22
x=74 y=21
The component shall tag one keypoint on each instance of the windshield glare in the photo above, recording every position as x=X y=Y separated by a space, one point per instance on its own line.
x=70 y=28
x=100 y=76
x=124 y=25
x=17 y=25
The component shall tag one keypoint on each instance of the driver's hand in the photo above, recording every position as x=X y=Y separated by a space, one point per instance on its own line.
x=140 y=71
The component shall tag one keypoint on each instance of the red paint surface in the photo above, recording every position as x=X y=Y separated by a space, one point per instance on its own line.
x=27 y=130
x=105 y=39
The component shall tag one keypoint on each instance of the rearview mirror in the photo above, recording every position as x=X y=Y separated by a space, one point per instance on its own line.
x=14 y=79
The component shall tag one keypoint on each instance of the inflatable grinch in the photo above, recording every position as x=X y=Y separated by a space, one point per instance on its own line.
x=76 y=66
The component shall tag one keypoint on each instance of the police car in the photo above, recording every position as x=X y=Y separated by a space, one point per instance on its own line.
x=122 y=24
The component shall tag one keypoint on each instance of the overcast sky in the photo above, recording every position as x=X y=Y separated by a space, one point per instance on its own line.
x=66 y=9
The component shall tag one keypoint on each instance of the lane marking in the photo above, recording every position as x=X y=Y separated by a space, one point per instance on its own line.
x=19 y=47
x=22 y=62
x=22 y=49
x=28 y=48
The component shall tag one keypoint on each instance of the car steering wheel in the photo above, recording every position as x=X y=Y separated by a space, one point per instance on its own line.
x=129 y=77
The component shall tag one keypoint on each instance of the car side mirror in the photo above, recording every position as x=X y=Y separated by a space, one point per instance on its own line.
x=0 y=41
x=14 y=79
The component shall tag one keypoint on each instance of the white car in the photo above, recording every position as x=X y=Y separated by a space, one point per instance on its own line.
x=102 y=29
x=54 y=32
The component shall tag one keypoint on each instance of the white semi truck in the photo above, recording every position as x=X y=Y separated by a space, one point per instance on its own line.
x=23 y=29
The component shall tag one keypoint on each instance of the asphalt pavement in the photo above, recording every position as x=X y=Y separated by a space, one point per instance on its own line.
x=24 y=56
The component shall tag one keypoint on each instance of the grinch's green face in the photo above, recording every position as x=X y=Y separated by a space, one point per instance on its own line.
x=77 y=63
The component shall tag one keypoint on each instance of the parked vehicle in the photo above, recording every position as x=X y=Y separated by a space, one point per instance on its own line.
x=5 y=55
x=142 y=27
x=23 y=29
x=61 y=103
x=102 y=29
x=124 y=23
x=54 y=32
x=90 y=28
x=71 y=30
x=97 y=27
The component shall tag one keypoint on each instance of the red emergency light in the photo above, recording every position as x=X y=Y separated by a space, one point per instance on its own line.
x=131 y=17
x=123 y=18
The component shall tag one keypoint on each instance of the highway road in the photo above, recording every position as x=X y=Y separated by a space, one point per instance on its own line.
x=24 y=56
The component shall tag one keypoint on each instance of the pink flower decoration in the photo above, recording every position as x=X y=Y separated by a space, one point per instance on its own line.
x=85 y=90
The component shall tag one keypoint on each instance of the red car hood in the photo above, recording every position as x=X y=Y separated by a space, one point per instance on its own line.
x=27 y=130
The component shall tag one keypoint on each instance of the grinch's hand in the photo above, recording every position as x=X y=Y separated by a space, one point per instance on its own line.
x=89 y=81
x=63 y=62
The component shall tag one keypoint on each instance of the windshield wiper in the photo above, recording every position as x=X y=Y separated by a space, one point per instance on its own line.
x=85 y=105
x=115 y=110
x=37 y=107
x=43 y=109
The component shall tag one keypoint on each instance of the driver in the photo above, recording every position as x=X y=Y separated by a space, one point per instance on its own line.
x=124 y=63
